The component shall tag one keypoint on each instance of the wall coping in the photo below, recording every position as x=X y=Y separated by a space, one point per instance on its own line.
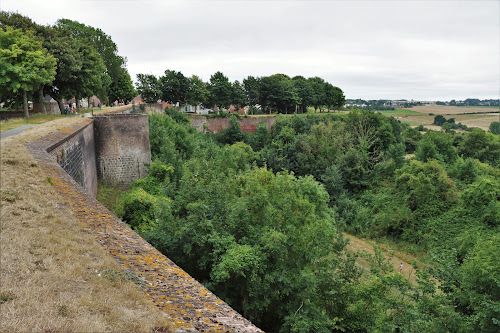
x=191 y=307
x=77 y=129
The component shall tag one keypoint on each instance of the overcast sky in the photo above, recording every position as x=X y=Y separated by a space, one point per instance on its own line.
x=421 y=50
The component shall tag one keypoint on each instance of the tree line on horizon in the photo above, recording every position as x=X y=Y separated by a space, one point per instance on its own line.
x=276 y=93
x=65 y=60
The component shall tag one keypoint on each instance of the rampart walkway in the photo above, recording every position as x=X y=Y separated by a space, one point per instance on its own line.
x=191 y=306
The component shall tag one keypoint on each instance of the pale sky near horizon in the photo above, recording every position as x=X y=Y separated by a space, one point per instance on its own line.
x=421 y=50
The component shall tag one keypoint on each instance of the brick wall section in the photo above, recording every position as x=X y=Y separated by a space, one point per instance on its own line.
x=122 y=147
x=214 y=125
x=75 y=153
x=191 y=306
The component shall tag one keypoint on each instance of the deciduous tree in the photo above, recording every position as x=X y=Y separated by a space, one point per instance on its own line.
x=148 y=87
x=25 y=64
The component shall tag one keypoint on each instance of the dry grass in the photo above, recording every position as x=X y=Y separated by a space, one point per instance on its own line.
x=54 y=276
x=480 y=120
x=394 y=257
x=9 y=124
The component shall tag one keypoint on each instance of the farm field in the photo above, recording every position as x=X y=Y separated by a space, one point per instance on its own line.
x=472 y=117
x=451 y=110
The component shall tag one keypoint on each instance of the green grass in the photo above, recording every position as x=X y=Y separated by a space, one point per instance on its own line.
x=400 y=112
x=18 y=122
x=109 y=196
x=6 y=296
x=412 y=123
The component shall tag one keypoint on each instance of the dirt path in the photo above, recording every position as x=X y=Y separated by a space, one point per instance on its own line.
x=394 y=257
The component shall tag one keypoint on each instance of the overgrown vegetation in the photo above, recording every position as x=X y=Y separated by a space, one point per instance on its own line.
x=257 y=219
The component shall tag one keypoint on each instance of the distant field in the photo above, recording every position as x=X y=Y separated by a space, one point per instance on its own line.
x=399 y=112
x=451 y=110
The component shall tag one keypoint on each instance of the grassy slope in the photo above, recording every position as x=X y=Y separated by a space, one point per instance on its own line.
x=54 y=276
x=41 y=118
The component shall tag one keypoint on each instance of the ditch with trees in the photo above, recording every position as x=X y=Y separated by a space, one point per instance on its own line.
x=258 y=219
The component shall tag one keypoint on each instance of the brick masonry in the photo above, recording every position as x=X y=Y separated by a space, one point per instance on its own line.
x=122 y=148
x=206 y=124
x=76 y=155
x=191 y=307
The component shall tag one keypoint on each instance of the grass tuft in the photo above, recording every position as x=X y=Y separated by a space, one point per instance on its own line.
x=10 y=162
x=6 y=296
x=9 y=195
x=118 y=276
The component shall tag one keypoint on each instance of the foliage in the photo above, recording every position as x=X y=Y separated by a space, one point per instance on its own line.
x=481 y=145
x=115 y=80
x=24 y=63
x=147 y=86
x=232 y=134
x=256 y=218
x=495 y=127
x=174 y=87
x=198 y=93
x=121 y=87
x=220 y=90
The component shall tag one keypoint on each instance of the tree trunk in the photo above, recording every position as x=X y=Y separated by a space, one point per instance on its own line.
x=77 y=102
x=25 y=105
x=42 y=102
x=61 y=105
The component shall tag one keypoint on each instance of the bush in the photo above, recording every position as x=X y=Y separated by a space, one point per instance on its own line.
x=137 y=208
x=495 y=127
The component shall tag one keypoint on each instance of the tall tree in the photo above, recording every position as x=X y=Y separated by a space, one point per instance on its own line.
x=277 y=93
x=252 y=87
x=148 y=87
x=238 y=96
x=304 y=92
x=174 y=87
x=334 y=97
x=318 y=92
x=108 y=51
x=25 y=64
x=220 y=90
x=198 y=93
x=121 y=88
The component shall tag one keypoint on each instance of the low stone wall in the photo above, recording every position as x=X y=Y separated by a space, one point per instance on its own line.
x=190 y=306
x=214 y=125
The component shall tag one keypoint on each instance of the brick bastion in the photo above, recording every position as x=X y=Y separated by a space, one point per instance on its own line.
x=191 y=307
x=250 y=124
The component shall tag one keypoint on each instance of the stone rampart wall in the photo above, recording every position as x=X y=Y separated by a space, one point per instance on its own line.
x=190 y=306
x=75 y=153
x=214 y=125
x=122 y=147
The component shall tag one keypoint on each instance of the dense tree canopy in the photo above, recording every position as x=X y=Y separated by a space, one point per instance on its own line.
x=24 y=64
x=148 y=87
x=174 y=87
x=87 y=60
x=277 y=93
x=256 y=218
